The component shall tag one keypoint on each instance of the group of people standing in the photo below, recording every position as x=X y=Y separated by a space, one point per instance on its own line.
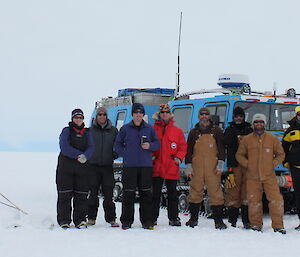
x=152 y=156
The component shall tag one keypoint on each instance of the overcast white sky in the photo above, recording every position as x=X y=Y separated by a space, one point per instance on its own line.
x=56 y=55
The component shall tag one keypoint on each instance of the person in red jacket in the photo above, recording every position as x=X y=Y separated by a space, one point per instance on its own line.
x=166 y=162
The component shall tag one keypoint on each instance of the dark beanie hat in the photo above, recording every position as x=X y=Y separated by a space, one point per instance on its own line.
x=238 y=111
x=137 y=106
x=77 y=112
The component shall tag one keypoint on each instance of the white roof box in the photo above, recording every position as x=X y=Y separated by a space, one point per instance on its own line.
x=233 y=80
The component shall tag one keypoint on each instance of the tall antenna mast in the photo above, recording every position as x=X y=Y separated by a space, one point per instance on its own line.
x=178 y=59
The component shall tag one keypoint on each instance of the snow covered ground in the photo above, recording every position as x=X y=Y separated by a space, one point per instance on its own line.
x=28 y=179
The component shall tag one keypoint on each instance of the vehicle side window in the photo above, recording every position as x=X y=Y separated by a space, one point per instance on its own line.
x=120 y=120
x=220 y=111
x=182 y=117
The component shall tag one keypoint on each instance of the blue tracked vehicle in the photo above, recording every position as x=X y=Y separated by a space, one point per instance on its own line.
x=234 y=91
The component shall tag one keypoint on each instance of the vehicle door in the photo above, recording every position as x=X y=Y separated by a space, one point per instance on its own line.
x=183 y=117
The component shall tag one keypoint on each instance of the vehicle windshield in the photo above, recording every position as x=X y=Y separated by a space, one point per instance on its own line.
x=277 y=114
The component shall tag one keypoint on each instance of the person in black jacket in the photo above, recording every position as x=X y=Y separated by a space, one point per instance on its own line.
x=76 y=147
x=101 y=168
x=235 y=184
x=291 y=146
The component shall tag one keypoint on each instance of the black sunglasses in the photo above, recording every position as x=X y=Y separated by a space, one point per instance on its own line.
x=101 y=114
x=258 y=121
x=138 y=112
x=204 y=113
x=239 y=116
x=78 y=117
x=165 y=112
x=298 y=114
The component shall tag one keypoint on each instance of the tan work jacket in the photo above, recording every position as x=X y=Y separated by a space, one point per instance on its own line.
x=260 y=155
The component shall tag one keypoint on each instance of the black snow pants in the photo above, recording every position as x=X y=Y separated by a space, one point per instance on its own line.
x=72 y=189
x=172 y=197
x=133 y=178
x=295 y=172
x=101 y=176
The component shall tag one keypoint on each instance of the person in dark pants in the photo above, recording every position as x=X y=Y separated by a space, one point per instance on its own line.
x=166 y=162
x=76 y=147
x=135 y=143
x=101 y=169
x=235 y=184
x=291 y=146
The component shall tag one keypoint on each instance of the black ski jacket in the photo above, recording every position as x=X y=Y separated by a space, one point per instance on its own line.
x=231 y=140
x=291 y=143
x=104 y=139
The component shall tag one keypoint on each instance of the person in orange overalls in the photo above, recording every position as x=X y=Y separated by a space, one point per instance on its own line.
x=205 y=164
x=260 y=152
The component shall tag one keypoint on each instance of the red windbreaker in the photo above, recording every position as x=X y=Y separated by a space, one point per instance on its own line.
x=172 y=145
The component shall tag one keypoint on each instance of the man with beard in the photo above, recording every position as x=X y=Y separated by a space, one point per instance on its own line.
x=235 y=184
x=260 y=152
x=205 y=164
x=76 y=147
x=291 y=146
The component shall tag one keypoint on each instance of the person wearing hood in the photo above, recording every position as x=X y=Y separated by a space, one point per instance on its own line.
x=101 y=168
x=204 y=165
x=76 y=148
x=166 y=162
x=235 y=184
x=291 y=146
x=260 y=152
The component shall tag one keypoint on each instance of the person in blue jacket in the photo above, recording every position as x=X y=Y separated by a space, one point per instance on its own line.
x=76 y=147
x=135 y=143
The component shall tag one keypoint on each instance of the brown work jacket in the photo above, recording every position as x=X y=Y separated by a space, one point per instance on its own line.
x=260 y=155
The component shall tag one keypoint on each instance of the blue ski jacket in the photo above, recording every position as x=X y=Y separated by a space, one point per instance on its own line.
x=128 y=144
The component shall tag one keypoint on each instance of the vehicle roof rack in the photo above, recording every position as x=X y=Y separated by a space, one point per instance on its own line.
x=246 y=90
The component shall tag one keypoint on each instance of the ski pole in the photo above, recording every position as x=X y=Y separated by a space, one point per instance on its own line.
x=18 y=208
x=8 y=205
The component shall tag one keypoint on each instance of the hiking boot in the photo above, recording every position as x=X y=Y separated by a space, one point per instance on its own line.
x=91 y=222
x=194 y=211
x=245 y=218
x=114 y=224
x=219 y=224
x=233 y=225
x=233 y=214
x=257 y=229
x=217 y=211
x=65 y=226
x=280 y=230
x=81 y=225
x=297 y=228
x=175 y=223
x=191 y=223
x=126 y=226
x=148 y=226
x=247 y=225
